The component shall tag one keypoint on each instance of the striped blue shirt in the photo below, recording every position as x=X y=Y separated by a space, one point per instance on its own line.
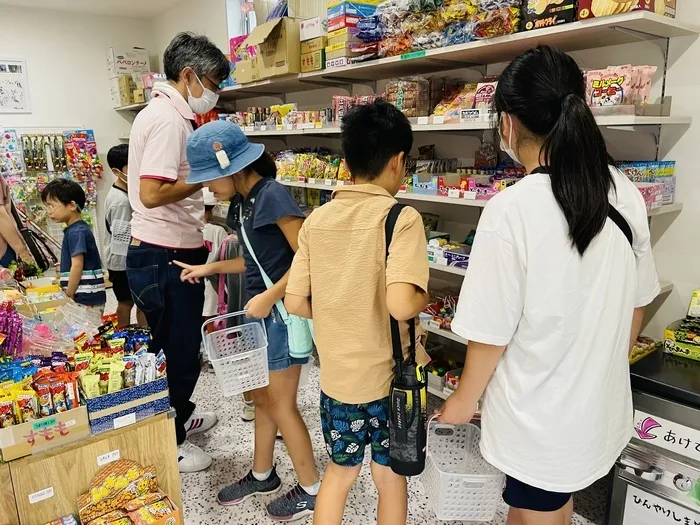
x=78 y=239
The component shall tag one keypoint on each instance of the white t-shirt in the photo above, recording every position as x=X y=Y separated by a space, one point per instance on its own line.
x=214 y=235
x=558 y=410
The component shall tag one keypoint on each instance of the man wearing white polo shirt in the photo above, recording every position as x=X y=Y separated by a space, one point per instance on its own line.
x=167 y=224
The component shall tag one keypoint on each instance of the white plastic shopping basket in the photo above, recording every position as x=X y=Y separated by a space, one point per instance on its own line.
x=460 y=483
x=237 y=353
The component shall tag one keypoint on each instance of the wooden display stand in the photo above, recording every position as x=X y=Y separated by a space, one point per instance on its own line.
x=47 y=486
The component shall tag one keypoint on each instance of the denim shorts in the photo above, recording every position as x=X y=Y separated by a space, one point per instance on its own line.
x=278 y=357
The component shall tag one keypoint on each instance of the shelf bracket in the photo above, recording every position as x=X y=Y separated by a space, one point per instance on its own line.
x=647 y=37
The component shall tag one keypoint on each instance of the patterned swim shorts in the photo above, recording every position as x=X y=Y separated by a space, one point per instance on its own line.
x=348 y=429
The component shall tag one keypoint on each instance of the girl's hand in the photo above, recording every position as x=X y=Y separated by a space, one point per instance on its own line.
x=259 y=307
x=455 y=411
x=193 y=274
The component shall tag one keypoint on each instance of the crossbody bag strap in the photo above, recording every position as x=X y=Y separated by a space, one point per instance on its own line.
x=396 y=345
x=268 y=282
x=221 y=293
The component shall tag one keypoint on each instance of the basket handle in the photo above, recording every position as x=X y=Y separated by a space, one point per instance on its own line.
x=227 y=316
x=427 y=431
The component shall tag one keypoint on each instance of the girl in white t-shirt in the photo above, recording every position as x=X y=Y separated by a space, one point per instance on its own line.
x=559 y=275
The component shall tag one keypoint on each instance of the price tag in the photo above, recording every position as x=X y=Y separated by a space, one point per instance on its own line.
x=290 y=127
x=263 y=128
x=470 y=195
x=300 y=126
x=109 y=457
x=42 y=495
x=469 y=115
x=301 y=179
x=402 y=189
x=411 y=56
x=312 y=180
x=308 y=125
x=318 y=125
x=124 y=421
x=453 y=193
x=422 y=121
x=438 y=119
x=248 y=129
x=279 y=127
x=340 y=183
x=328 y=182
x=288 y=178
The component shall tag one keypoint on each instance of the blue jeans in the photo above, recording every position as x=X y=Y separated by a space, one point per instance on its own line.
x=173 y=310
x=278 y=357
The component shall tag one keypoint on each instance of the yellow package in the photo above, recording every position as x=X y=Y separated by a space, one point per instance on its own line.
x=90 y=384
x=115 y=381
x=7 y=413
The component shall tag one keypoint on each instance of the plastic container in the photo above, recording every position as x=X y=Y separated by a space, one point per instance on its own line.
x=238 y=354
x=460 y=483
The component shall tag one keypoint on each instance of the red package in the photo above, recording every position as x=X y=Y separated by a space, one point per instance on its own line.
x=43 y=390
x=58 y=395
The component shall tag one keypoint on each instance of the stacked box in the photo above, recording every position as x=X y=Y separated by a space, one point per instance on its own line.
x=360 y=9
x=547 y=14
x=652 y=193
x=599 y=8
x=313 y=54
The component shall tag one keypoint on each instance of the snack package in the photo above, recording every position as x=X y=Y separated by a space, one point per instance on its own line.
x=458 y=10
x=598 y=8
x=485 y=90
x=26 y=406
x=490 y=24
x=7 y=417
x=58 y=395
x=129 y=371
x=547 y=13
x=72 y=394
x=43 y=392
x=152 y=512
x=90 y=384
x=115 y=380
x=609 y=87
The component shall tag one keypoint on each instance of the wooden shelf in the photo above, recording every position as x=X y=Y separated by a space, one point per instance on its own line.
x=587 y=34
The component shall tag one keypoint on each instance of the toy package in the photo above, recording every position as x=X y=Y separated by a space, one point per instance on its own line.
x=81 y=151
x=11 y=159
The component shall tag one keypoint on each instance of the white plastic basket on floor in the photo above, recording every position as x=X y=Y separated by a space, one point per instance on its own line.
x=121 y=237
x=238 y=354
x=460 y=483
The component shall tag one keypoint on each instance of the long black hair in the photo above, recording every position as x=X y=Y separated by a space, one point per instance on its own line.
x=544 y=89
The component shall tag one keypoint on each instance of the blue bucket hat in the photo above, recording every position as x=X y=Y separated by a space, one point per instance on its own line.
x=219 y=149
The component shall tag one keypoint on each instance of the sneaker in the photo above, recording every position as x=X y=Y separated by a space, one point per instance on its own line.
x=294 y=505
x=200 y=422
x=247 y=487
x=191 y=458
x=248 y=414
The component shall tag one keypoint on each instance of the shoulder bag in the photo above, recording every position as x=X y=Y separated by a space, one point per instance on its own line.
x=299 y=330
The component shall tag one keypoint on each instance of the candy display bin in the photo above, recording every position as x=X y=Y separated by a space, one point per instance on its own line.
x=46 y=486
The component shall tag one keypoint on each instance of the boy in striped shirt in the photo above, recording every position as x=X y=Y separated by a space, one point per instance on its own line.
x=81 y=268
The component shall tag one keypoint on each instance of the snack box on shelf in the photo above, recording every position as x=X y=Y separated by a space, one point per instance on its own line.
x=344 y=35
x=598 y=8
x=277 y=51
x=37 y=436
x=315 y=44
x=548 y=14
x=682 y=338
x=456 y=255
x=360 y=9
x=127 y=406
x=455 y=185
x=312 y=28
x=425 y=184
x=341 y=22
x=314 y=61
x=643 y=347
x=134 y=60
x=653 y=194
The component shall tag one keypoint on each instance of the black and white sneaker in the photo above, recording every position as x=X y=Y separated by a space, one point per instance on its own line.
x=294 y=505
x=247 y=487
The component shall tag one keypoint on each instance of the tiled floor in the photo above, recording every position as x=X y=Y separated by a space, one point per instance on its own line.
x=230 y=443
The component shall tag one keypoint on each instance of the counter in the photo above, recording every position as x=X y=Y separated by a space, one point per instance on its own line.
x=657 y=479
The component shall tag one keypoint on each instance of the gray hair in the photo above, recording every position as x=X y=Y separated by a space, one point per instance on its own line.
x=197 y=52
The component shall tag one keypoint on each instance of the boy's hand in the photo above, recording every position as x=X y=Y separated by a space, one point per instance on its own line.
x=259 y=307
x=193 y=274
x=455 y=411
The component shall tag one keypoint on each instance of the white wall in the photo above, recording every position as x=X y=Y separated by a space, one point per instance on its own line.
x=206 y=17
x=68 y=78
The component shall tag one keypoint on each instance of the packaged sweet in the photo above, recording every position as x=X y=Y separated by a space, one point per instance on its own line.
x=459 y=33
x=151 y=513
x=609 y=87
x=115 y=381
x=490 y=24
x=43 y=392
x=90 y=384
x=27 y=406
x=58 y=396
x=72 y=392
x=129 y=371
x=103 y=382
x=485 y=90
x=458 y=10
x=7 y=418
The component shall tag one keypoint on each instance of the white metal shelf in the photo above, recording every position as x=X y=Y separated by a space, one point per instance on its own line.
x=436 y=392
x=586 y=34
x=448 y=334
x=132 y=107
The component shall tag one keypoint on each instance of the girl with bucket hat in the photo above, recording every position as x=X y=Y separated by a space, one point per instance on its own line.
x=264 y=214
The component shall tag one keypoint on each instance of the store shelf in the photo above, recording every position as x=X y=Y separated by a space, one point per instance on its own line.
x=132 y=107
x=124 y=138
x=668 y=208
x=666 y=286
x=448 y=334
x=439 y=393
x=448 y=269
x=587 y=34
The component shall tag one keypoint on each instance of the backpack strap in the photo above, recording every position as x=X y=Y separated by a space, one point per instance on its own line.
x=621 y=223
x=397 y=348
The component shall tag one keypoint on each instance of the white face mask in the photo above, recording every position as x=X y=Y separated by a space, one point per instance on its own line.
x=203 y=104
x=508 y=149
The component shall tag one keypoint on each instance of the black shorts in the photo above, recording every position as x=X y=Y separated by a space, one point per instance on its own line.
x=120 y=285
x=520 y=495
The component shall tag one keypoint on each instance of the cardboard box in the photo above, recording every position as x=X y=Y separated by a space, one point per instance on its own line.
x=277 y=45
x=340 y=22
x=554 y=13
x=296 y=8
x=246 y=71
x=312 y=28
x=598 y=8
x=452 y=181
x=345 y=35
x=43 y=434
x=314 y=61
x=134 y=60
x=351 y=8
x=681 y=339
x=139 y=96
x=311 y=46
x=126 y=407
x=340 y=50
x=425 y=184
